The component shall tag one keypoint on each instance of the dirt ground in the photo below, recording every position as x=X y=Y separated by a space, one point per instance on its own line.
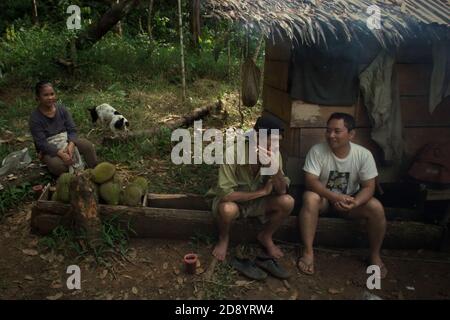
x=153 y=269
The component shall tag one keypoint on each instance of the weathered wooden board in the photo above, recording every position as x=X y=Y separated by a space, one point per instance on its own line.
x=276 y=74
x=277 y=102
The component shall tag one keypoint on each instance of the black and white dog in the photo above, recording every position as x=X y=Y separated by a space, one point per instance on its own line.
x=109 y=116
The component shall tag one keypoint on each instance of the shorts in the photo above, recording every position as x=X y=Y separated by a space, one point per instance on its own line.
x=253 y=208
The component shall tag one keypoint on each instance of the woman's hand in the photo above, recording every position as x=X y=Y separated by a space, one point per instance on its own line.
x=70 y=148
x=65 y=157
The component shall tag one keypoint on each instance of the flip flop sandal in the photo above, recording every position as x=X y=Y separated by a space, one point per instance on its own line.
x=248 y=269
x=307 y=266
x=271 y=266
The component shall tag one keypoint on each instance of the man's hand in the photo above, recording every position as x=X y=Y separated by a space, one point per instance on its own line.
x=279 y=183
x=343 y=202
x=268 y=187
x=345 y=206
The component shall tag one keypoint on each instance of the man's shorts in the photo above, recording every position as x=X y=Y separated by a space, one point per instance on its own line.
x=253 y=208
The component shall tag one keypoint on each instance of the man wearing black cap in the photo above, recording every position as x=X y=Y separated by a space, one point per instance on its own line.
x=243 y=190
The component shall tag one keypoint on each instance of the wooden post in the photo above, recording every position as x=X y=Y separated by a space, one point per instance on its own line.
x=84 y=208
x=35 y=14
x=183 y=71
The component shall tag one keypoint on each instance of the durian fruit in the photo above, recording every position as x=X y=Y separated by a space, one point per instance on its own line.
x=63 y=186
x=103 y=172
x=110 y=192
x=142 y=183
x=132 y=195
x=89 y=173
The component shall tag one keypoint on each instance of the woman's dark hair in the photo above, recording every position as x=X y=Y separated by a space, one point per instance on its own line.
x=349 y=121
x=40 y=85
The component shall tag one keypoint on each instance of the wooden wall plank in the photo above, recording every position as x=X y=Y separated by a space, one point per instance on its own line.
x=277 y=102
x=311 y=136
x=413 y=79
x=415 y=112
x=276 y=74
x=313 y=115
x=416 y=138
x=415 y=53
x=278 y=48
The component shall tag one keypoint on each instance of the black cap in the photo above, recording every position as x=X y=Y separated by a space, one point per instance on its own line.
x=268 y=122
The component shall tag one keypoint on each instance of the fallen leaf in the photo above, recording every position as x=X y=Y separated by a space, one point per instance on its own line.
x=29 y=278
x=242 y=283
x=294 y=295
x=134 y=290
x=281 y=290
x=22 y=139
x=55 y=297
x=165 y=265
x=30 y=252
x=132 y=254
x=176 y=271
x=286 y=284
x=334 y=291
x=410 y=288
x=103 y=274
x=198 y=264
x=33 y=243
x=56 y=284
x=180 y=280
x=199 y=271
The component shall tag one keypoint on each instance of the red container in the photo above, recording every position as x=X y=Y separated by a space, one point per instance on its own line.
x=190 y=262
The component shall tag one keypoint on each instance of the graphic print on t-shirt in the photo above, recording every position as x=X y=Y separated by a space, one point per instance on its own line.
x=338 y=181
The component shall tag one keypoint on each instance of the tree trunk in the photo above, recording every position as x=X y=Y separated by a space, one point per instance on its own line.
x=183 y=70
x=195 y=23
x=84 y=208
x=149 y=19
x=98 y=29
x=34 y=15
x=185 y=120
x=118 y=27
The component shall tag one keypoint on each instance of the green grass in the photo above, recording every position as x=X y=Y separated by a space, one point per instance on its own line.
x=220 y=285
x=12 y=197
x=114 y=241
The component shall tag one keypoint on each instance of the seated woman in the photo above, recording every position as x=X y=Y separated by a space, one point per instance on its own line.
x=55 y=135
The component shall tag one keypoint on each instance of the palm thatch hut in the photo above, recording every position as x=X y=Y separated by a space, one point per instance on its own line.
x=411 y=30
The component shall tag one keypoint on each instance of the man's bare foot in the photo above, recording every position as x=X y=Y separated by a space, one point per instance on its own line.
x=271 y=248
x=220 y=250
x=376 y=260
x=306 y=264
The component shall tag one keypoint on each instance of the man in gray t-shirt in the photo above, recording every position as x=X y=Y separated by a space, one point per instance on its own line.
x=340 y=176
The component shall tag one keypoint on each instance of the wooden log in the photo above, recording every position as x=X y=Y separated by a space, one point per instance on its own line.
x=182 y=224
x=84 y=208
x=185 y=120
x=178 y=201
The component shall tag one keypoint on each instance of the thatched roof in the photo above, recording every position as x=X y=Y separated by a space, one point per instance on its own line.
x=308 y=21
